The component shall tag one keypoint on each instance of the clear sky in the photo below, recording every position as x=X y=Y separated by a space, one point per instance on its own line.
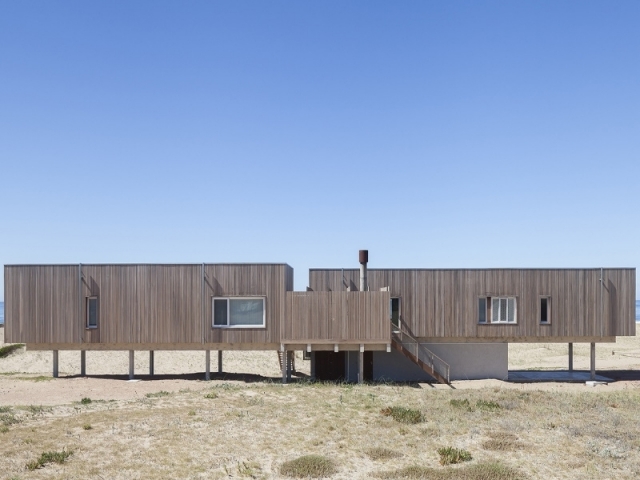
x=434 y=134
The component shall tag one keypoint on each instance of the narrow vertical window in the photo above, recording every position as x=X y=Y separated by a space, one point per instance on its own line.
x=92 y=312
x=545 y=310
x=395 y=312
x=482 y=310
x=220 y=311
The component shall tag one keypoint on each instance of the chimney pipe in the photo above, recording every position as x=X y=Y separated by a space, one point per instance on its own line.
x=364 y=258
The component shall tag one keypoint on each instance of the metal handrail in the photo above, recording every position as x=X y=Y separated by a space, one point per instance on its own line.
x=419 y=351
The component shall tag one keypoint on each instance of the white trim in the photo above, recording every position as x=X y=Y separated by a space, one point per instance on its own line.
x=500 y=300
x=227 y=326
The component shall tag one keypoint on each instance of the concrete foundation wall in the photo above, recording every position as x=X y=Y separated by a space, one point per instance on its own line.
x=468 y=361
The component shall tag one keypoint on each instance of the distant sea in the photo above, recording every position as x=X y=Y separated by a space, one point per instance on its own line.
x=637 y=312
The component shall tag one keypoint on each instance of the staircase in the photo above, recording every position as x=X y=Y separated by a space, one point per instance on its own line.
x=428 y=361
x=292 y=357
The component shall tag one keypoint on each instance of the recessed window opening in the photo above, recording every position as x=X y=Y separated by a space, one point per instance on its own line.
x=482 y=310
x=247 y=312
x=395 y=312
x=92 y=312
x=545 y=310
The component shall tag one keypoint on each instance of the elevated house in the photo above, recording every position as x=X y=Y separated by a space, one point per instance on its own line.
x=354 y=324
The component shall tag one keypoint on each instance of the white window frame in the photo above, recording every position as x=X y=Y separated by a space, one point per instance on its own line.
x=515 y=308
x=213 y=312
x=88 y=301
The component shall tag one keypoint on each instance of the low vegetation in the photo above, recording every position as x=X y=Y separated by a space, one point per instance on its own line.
x=9 y=349
x=49 y=457
x=263 y=430
x=309 y=466
x=403 y=414
x=479 y=471
x=451 y=455
x=161 y=393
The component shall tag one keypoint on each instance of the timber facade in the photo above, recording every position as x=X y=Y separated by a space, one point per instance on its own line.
x=253 y=307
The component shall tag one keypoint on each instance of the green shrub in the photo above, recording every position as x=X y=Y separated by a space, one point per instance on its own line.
x=86 y=426
x=309 y=466
x=488 y=405
x=403 y=415
x=49 y=457
x=9 y=349
x=211 y=395
x=161 y=393
x=85 y=401
x=450 y=455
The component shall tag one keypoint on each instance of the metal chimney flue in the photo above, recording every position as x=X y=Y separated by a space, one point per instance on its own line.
x=364 y=258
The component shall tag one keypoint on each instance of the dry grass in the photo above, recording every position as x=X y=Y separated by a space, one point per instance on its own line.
x=309 y=466
x=9 y=349
x=251 y=430
x=502 y=442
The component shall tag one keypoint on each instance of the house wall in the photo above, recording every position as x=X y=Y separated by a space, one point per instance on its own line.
x=443 y=304
x=467 y=361
x=166 y=306
x=337 y=317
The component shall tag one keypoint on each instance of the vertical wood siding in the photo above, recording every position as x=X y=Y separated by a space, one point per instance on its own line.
x=337 y=317
x=444 y=303
x=41 y=304
x=145 y=304
x=268 y=281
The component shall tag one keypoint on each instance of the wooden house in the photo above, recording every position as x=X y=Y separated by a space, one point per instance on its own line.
x=408 y=324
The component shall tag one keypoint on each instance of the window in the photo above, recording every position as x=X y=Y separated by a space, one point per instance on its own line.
x=497 y=310
x=238 y=312
x=395 y=312
x=92 y=312
x=482 y=310
x=545 y=310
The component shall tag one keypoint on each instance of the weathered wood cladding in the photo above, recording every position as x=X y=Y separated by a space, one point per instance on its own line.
x=41 y=304
x=139 y=304
x=337 y=317
x=269 y=281
x=444 y=303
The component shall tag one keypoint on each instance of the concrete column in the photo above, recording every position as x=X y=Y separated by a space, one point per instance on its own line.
x=207 y=361
x=151 y=365
x=83 y=363
x=313 y=366
x=361 y=367
x=131 y=364
x=593 y=361
x=55 y=364
x=219 y=361
x=571 y=357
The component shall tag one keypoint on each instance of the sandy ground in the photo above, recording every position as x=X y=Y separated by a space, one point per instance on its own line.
x=25 y=376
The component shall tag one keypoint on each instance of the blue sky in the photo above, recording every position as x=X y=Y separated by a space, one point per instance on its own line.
x=435 y=134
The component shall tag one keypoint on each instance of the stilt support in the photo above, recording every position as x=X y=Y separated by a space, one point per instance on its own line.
x=289 y=362
x=131 y=364
x=284 y=364
x=571 y=357
x=593 y=361
x=361 y=366
x=207 y=361
x=55 y=364
x=219 y=361
x=83 y=363
x=151 y=365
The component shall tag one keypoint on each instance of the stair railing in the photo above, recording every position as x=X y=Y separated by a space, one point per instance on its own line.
x=401 y=333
